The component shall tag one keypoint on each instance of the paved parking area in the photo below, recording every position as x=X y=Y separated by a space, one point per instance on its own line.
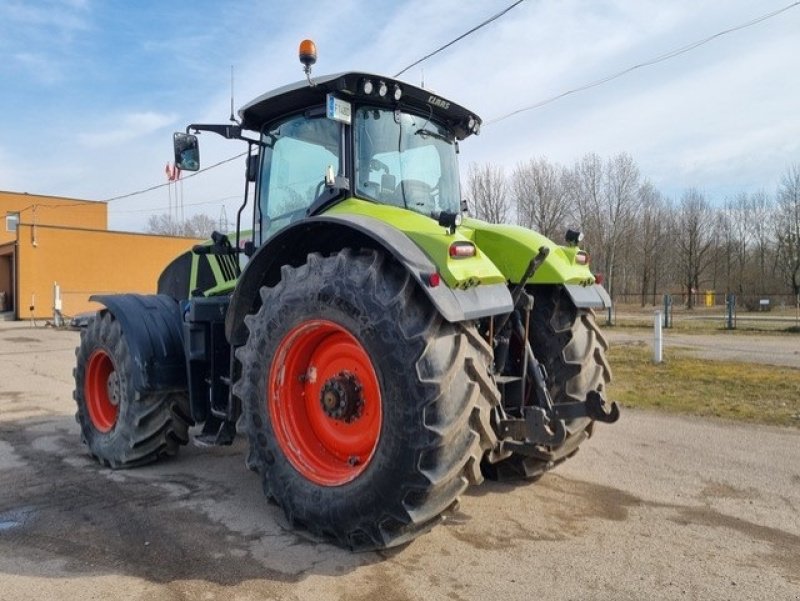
x=654 y=507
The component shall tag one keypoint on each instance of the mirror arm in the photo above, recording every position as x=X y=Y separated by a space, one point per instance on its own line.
x=231 y=132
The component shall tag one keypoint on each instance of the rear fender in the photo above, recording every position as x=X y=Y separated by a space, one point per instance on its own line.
x=511 y=248
x=153 y=329
x=330 y=234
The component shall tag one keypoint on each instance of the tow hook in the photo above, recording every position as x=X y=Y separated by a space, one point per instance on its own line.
x=594 y=407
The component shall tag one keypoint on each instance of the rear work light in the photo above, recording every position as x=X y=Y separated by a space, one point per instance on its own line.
x=582 y=257
x=462 y=250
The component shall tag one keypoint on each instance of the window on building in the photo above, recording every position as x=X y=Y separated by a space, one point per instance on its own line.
x=12 y=221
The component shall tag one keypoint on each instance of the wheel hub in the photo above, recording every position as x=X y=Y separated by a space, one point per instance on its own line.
x=324 y=402
x=102 y=390
x=341 y=397
x=112 y=387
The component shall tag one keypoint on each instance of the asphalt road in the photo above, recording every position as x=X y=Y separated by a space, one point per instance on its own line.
x=653 y=507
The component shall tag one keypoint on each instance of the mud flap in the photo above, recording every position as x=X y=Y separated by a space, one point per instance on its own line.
x=153 y=328
x=588 y=297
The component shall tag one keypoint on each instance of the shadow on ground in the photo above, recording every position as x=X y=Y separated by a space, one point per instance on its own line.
x=198 y=516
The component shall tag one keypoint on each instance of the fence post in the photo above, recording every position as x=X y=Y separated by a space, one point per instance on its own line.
x=667 y=310
x=658 y=354
x=57 y=317
x=730 y=305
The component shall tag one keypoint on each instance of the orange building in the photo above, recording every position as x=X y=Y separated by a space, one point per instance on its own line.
x=47 y=240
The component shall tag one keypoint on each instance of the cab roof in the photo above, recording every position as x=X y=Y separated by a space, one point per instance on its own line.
x=349 y=86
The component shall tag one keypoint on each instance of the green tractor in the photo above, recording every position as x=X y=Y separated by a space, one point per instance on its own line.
x=380 y=349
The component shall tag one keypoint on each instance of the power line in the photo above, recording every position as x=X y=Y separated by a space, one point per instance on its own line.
x=198 y=172
x=188 y=204
x=461 y=37
x=650 y=62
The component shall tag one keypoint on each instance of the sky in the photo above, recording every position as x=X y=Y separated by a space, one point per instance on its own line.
x=91 y=90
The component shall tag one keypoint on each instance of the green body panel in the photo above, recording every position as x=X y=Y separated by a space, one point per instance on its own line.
x=433 y=239
x=220 y=289
x=503 y=251
x=512 y=247
x=223 y=285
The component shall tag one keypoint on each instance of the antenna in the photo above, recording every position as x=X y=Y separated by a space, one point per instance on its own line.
x=232 y=117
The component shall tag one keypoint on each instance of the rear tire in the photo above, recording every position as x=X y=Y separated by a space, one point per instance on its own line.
x=568 y=342
x=121 y=426
x=432 y=392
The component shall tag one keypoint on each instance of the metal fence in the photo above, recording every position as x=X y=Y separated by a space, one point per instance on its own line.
x=710 y=309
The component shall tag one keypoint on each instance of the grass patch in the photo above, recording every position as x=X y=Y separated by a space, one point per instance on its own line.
x=687 y=384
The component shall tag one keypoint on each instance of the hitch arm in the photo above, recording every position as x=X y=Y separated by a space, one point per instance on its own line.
x=535 y=263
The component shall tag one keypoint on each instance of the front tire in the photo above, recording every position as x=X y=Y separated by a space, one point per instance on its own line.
x=367 y=413
x=121 y=426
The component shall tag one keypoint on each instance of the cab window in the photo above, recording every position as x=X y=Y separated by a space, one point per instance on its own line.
x=298 y=153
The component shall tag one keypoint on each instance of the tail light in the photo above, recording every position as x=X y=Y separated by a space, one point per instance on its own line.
x=462 y=250
x=599 y=278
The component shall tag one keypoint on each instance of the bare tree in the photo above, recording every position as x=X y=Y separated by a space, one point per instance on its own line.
x=651 y=232
x=197 y=226
x=537 y=188
x=643 y=242
x=733 y=242
x=200 y=226
x=584 y=188
x=164 y=224
x=762 y=215
x=613 y=210
x=487 y=192
x=788 y=227
x=695 y=239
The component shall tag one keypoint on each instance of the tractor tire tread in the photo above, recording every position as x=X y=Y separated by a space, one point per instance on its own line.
x=429 y=445
x=149 y=425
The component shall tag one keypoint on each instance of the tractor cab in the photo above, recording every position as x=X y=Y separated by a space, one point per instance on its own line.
x=350 y=135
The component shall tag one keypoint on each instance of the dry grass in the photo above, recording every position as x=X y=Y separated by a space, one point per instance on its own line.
x=686 y=384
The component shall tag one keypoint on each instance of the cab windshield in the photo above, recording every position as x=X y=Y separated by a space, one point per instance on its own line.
x=406 y=160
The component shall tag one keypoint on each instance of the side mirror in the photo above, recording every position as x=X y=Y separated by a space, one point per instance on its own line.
x=187 y=151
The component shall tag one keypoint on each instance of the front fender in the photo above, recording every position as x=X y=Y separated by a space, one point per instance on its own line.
x=153 y=329
x=331 y=233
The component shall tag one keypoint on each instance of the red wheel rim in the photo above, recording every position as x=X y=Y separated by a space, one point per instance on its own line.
x=324 y=402
x=101 y=391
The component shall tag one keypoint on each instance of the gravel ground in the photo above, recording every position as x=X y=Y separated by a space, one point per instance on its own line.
x=653 y=507
x=770 y=349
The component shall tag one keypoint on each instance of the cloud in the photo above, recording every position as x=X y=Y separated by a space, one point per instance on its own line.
x=40 y=68
x=131 y=126
x=64 y=16
x=723 y=115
